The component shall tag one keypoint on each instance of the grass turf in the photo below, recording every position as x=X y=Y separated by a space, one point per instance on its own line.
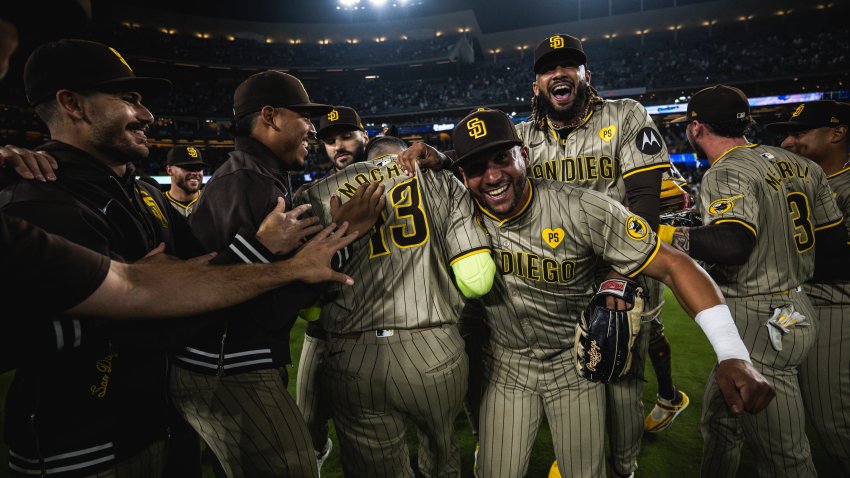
x=672 y=453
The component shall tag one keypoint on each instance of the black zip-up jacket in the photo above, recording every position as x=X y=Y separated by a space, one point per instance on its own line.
x=99 y=396
x=253 y=335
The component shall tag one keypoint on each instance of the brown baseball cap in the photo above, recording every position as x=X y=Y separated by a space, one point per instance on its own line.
x=186 y=156
x=716 y=104
x=559 y=45
x=276 y=89
x=815 y=114
x=341 y=118
x=81 y=65
x=483 y=130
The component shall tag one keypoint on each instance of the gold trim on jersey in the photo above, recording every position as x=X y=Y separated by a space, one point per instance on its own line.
x=178 y=203
x=647 y=168
x=648 y=259
x=519 y=213
x=738 y=221
x=469 y=254
x=733 y=148
x=829 y=225
x=838 y=173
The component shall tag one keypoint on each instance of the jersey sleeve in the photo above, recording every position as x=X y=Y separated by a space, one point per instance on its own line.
x=729 y=196
x=641 y=146
x=825 y=210
x=456 y=217
x=624 y=240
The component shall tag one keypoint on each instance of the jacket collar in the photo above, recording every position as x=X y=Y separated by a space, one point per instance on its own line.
x=79 y=165
x=260 y=153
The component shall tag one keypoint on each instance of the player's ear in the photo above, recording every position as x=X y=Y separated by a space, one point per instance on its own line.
x=586 y=75
x=71 y=104
x=267 y=115
x=462 y=176
x=535 y=88
x=523 y=151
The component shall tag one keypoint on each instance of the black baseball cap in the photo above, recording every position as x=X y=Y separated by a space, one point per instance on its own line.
x=276 y=89
x=184 y=156
x=341 y=118
x=483 y=130
x=559 y=45
x=716 y=104
x=814 y=115
x=81 y=65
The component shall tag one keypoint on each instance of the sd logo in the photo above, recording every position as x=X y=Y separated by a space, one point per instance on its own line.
x=193 y=153
x=556 y=42
x=333 y=115
x=477 y=128
x=553 y=237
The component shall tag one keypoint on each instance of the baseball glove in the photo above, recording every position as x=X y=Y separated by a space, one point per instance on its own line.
x=606 y=339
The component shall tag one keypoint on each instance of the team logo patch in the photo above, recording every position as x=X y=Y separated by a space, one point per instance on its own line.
x=155 y=210
x=553 y=237
x=192 y=152
x=556 y=42
x=648 y=141
x=113 y=50
x=477 y=128
x=607 y=134
x=333 y=115
x=723 y=205
x=594 y=356
x=768 y=156
x=834 y=120
x=797 y=112
x=636 y=227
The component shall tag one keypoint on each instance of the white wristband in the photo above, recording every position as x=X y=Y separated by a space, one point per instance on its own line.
x=717 y=324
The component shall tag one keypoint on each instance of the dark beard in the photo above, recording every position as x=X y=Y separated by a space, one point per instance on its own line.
x=568 y=115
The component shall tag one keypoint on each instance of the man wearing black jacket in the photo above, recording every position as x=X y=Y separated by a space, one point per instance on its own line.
x=101 y=404
x=227 y=381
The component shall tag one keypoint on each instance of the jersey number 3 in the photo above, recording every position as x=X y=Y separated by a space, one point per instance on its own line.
x=409 y=227
x=798 y=209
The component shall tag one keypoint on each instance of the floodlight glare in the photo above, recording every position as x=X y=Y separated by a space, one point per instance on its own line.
x=348 y=3
x=378 y=3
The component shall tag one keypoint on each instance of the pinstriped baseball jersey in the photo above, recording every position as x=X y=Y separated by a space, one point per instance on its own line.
x=548 y=255
x=615 y=140
x=782 y=199
x=429 y=222
x=836 y=292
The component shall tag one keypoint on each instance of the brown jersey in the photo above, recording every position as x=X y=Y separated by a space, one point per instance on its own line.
x=548 y=254
x=837 y=292
x=617 y=139
x=402 y=270
x=780 y=197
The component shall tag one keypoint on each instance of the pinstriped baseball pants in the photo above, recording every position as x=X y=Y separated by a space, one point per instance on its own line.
x=519 y=390
x=314 y=407
x=825 y=382
x=375 y=383
x=248 y=420
x=777 y=435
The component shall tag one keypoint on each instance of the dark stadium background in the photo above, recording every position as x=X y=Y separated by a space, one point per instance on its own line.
x=423 y=64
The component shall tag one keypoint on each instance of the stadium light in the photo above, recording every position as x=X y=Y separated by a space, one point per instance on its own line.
x=378 y=3
x=348 y=3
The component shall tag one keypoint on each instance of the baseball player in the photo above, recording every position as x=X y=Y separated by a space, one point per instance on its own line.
x=186 y=167
x=344 y=139
x=819 y=131
x=613 y=147
x=226 y=380
x=394 y=351
x=548 y=240
x=765 y=209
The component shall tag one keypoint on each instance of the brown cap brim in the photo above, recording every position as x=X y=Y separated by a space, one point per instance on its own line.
x=572 y=53
x=148 y=87
x=312 y=108
x=486 y=147
x=680 y=119
x=784 y=126
x=336 y=128
x=190 y=163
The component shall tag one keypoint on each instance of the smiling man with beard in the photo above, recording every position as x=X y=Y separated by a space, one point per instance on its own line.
x=186 y=167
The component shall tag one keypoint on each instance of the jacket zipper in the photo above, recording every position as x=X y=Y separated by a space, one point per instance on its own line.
x=221 y=353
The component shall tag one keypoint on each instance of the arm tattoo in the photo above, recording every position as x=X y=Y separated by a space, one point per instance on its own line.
x=682 y=240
